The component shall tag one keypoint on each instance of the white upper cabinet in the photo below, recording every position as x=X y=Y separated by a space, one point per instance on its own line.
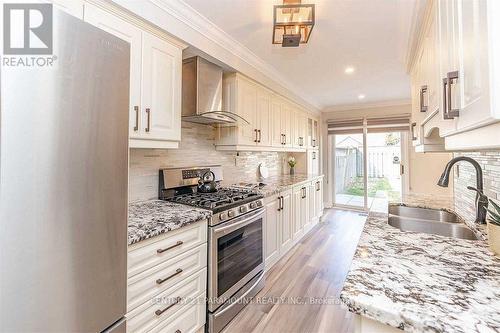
x=276 y=121
x=247 y=109
x=155 y=81
x=458 y=64
x=264 y=118
x=161 y=93
x=275 y=124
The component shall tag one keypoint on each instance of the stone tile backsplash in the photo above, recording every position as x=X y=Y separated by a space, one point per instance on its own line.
x=196 y=149
x=464 y=198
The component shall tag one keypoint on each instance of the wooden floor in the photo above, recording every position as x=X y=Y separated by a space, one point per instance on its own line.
x=314 y=269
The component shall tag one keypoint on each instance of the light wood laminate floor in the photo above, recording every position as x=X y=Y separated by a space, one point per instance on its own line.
x=314 y=270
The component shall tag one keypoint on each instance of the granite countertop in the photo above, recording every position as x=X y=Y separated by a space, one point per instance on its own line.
x=276 y=184
x=423 y=283
x=151 y=218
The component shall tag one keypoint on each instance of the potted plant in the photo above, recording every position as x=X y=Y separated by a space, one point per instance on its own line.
x=494 y=228
x=292 y=162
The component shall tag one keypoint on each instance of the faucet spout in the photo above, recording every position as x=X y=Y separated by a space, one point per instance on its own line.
x=481 y=199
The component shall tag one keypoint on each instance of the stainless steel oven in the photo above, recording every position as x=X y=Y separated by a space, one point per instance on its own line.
x=236 y=264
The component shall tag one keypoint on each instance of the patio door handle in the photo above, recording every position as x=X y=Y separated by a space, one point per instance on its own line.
x=401 y=169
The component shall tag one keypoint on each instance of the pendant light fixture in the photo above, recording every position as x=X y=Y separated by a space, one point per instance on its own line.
x=293 y=23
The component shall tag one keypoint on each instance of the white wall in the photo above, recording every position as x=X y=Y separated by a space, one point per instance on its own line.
x=424 y=169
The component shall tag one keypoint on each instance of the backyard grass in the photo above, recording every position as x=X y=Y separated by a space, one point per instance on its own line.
x=374 y=185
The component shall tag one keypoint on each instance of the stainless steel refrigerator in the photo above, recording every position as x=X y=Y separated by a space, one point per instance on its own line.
x=63 y=185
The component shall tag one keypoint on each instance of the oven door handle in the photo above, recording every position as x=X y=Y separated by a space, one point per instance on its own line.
x=238 y=223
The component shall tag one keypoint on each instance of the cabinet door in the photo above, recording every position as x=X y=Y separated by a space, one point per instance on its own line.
x=311 y=216
x=277 y=122
x=319 y=198
x=315 y=133
x=432 y=59
x=287 y=118
x=309 y=135
x=161 y=89
x=264 y=118
x=271 y=247
x=130 y=33
x=247 y=108
x=299 y=213
x=299 y=129
x=313 y=162
x=448 y=58
x=473 y=86
x=286 y=223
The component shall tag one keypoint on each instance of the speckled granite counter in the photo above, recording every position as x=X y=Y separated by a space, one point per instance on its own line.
x=151 y=218
x=275 y=184
x=423 y=283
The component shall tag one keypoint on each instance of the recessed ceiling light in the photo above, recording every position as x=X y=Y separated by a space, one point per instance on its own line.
x=349 y=70
x=361 y=96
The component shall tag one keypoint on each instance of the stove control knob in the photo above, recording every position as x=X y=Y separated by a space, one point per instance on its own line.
x=230 y=213
x=243 y=209
x=222 y=216
x=253 y=205
x=259 y=203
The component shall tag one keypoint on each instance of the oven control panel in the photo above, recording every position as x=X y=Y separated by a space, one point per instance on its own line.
x=235 y=212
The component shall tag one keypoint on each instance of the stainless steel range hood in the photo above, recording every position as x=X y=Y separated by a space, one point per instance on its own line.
x=202 y=94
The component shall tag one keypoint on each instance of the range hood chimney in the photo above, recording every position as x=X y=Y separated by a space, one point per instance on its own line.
x=202 y=94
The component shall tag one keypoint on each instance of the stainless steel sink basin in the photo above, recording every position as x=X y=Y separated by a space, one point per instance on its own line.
x=424 y=214
x=455 y=230
x=429 y=221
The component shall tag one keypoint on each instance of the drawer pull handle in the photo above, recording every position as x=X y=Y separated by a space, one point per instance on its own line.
x=160 y=312
x=177 y=272
x=179 y=243
x=178 y=331
x=136 y=127
x=148 y=113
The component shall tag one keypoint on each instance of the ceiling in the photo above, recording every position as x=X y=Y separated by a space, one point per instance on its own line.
x=369 y=35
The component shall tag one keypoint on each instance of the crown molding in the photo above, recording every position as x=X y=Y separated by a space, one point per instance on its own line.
x=360 y=106
x=184 y=22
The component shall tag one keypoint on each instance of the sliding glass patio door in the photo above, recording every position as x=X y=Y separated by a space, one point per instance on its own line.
x=367 y=159
x=349 y=170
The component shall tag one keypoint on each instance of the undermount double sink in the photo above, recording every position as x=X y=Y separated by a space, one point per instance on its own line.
x=430 y=221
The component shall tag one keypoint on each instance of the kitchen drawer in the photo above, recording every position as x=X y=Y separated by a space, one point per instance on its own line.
x=145 y=255
x=144 y=317
x=189 y=319
x=144 y=286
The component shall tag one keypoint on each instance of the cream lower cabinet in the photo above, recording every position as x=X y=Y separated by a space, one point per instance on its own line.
x=285 y=226
x=278 y=230
x=272 y=230
x=300 y=206
x=155 y=80
x=166 y=289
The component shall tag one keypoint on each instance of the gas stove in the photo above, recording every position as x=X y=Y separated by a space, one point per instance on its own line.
x=223 y=199
x=179 y=185
x=235 y=259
